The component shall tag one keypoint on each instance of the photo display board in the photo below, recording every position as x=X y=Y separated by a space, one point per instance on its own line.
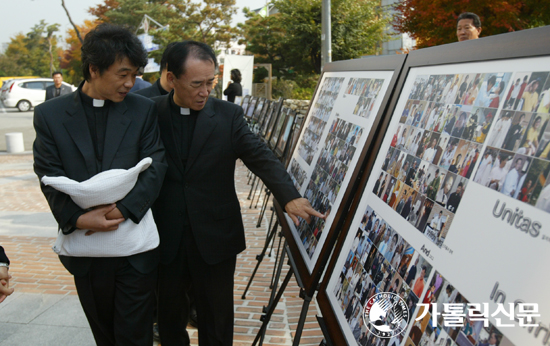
x=330 y=150
x=456 y=208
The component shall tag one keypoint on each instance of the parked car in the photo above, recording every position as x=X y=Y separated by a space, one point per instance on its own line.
x=26 y=93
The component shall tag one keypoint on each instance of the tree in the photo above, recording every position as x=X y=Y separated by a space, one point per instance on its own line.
x=208 y=21
x=292 y=37
x=434 y=22
x=71 y=59
x=32 y=52
x=50 y=30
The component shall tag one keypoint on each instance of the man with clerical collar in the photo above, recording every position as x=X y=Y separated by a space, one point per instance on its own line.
x=97 y=128
x=58 y=88
x=198 y=211
x=161 y=86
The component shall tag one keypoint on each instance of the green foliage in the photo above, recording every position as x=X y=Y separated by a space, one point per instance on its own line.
x=208 y=21
x=29 y=54
x=283 y=88
x=291 y=39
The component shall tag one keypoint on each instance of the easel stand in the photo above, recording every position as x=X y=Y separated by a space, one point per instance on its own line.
x=269 y=237
x=326 y=341
x=306 y=296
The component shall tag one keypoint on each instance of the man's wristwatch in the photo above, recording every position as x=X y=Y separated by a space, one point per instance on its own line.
x=2 y=264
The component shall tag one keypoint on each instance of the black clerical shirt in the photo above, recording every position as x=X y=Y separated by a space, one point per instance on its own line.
x=184 y=126
x=97 y=124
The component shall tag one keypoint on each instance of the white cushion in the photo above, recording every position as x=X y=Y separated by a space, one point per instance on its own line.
x=105 y=188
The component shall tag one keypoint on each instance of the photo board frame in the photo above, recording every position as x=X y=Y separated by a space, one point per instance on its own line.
x=271 y=118
x=278 y=127
x=456 y=243
x=238 y=100
x=259 y=108
x=251 y=108
x=335 y=137
x=245 y=102
x=285 y=133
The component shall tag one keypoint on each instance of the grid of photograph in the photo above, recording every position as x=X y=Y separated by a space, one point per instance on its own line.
x=327 y=177
x=516 y=161
x=367 y=89
x=320 y=113
x=466 y=332
x=379 y=260
x=436 y=146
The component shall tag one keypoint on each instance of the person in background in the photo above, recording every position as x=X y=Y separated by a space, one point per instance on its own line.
x=234 y=88
x=5 y=277
x=468 y=26
x=161 y=86
x=58 y=88
x=140 y=83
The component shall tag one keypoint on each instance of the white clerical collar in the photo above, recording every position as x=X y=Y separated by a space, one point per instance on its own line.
x=98 y=103
x=183 y=111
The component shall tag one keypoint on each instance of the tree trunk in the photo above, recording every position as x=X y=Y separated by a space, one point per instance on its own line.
x=70 y=20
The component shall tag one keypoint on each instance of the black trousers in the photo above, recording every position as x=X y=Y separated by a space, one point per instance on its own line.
x=118 y=301
x=212 y=287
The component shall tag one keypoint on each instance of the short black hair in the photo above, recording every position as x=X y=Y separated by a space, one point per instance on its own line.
x=181 y=51
x=469 y=15
x=57 y=72
x=163 y=61
x=108 y=43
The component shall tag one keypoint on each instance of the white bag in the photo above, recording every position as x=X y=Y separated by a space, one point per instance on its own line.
x=105 y=188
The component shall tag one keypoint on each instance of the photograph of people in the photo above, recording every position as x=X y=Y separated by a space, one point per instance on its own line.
x=530 y=142
x=544 y=99
x=455 y=197
x=530 y=96
x=485 y=167
x=484 y=95
x=512 y=94
x=449 y=154
x=451 y=120
x=512 y=179
x=500 y=129
x=444 y=192
x=498 y=172
x=516 y=131
x=460 y=125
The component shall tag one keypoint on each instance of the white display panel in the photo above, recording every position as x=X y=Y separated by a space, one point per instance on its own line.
x=461 y=183
x=336 y=130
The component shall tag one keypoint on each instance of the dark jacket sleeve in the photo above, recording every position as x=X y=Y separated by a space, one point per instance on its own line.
x=145 y=192
x=48 y=162
x=3 y=257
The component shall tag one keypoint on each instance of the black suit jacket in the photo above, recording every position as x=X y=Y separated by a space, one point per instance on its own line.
x=207 y=183
x=3 y=257
x=50 y=91
x=151 y=91
x=63 y=147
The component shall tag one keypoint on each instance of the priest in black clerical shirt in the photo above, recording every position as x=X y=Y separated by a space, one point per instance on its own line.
x=198 y=211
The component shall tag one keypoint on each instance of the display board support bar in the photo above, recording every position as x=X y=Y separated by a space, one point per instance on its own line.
x=326 y=341
x=273 y=305
x=260 y=257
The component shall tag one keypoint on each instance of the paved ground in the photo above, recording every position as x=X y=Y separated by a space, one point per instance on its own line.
x=45 y=310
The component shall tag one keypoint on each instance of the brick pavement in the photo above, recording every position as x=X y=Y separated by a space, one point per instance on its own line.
x=36 y=269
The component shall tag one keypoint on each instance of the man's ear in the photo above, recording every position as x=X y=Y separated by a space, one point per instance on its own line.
x=170 y=77
x=94 y=71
